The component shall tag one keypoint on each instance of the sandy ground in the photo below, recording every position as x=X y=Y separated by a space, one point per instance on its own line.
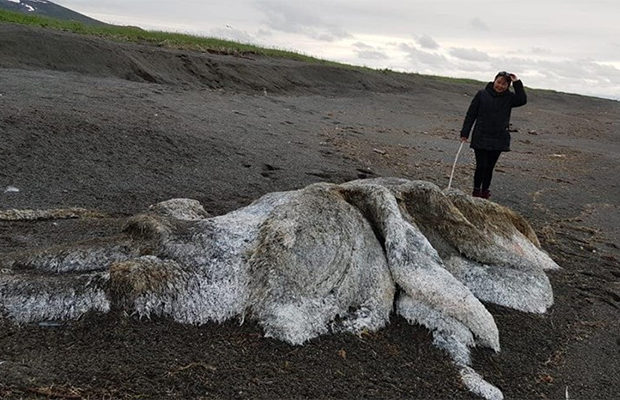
x=114 y=128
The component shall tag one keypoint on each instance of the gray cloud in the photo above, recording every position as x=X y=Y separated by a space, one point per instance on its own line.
x=540 y=51
x=362 y=46
x=367 y=52
x=423 y=59
x=371 y=55
x=427 y=42
x=297 y=18
x=264 y=33
x=478 y=24
x=233 y=34
x=407 y=48
x=469 y=54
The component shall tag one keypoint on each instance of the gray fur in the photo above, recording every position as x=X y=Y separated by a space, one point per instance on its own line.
x=326 y=258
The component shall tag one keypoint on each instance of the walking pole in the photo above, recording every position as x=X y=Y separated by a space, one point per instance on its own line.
x=454 y=165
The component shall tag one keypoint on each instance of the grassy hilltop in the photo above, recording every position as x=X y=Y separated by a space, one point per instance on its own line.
x=156 y=38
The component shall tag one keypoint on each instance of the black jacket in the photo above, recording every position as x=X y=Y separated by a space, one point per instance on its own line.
x=491 y=112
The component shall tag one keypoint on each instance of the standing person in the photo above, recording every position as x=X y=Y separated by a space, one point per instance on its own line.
x=490 y=110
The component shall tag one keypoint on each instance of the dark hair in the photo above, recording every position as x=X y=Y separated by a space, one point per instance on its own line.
x=505 y=75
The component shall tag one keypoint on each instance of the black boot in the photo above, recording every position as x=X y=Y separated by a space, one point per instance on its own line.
x=485 y=194
x=477 y=193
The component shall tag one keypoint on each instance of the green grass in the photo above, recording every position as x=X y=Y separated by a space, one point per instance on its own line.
x=156 y=38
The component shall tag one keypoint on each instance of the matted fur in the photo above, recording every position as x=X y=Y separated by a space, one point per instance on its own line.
x=321 y=259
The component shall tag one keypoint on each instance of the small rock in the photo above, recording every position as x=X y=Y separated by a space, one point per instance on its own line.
x=532 y=132
x=379 y=151
x=547 y=378
x=11 y=189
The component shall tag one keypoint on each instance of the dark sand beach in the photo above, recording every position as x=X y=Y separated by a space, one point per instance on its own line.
x=86 y=122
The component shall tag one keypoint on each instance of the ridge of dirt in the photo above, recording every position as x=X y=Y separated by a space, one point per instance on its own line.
x=64 y=51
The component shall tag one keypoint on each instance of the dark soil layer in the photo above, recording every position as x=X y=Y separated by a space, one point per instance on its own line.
x=90 y=123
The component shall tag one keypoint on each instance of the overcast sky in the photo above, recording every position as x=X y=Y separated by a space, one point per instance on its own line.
x=566 y=45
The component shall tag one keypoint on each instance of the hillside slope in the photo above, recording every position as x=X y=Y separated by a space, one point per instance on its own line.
x=89 y=55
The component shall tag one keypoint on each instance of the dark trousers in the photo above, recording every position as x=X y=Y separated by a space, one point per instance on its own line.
x=485 y=162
